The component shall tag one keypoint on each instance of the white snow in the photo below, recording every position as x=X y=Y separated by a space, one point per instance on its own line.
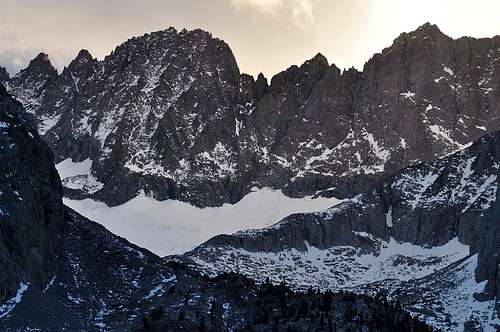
x=4 y=124
x=8 y=306
x=445 y=135
x=408 y=95
x=384 y=266
x=47 y=122
x=160 y=289
x=403 y=143
x=459 y=302
x=388 y=218
x=78 y=175
x=341 y=267
x=51 y=282
x=414 y=186
x=101 y=315
x=378 y=151
x=67 y=168
x=448 y=70
x=174 y=227
x=221 y=158
x=489 y=185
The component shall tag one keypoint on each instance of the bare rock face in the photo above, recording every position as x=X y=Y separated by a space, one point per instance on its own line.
x=31 y=210
x=61 y=271
x=159 y=114
x=105 y=283
x=29 y=84
x=434 y=216
x=4 y=75
x=170 y=114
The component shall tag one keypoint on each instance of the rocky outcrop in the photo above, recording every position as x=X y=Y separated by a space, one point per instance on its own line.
x=30 y=83
x=61 y=271
x=448 y=206
x=4 y=75
x=105 y=283
x=428 y=205
x=31 y=210
x=170 y=114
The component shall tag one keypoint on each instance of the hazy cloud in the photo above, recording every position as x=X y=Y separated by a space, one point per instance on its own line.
x=13 y=55
x=300 y=11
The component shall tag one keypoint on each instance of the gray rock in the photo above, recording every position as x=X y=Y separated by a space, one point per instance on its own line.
x=29 y=84
x=31 y=210
x=170 y=114
x=61 y=271
x=4 y=75
x=426 y=205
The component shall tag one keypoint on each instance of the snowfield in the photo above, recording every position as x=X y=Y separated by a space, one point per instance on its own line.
x=340 y=267
x=78 y=175
x=173 y=227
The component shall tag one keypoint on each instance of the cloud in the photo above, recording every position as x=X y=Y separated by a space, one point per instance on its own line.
x=11 y=56
x=300 y=11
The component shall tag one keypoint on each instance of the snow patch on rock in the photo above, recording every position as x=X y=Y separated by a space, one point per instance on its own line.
x=174 y=227
x=6 y=308
x=78 y=175
x=340 y=267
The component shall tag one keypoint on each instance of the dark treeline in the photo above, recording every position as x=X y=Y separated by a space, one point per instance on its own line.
x=235 y=303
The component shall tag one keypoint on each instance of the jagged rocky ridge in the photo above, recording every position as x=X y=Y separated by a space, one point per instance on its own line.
x=61 y=271
x=431 y=229
x=31 y=209
x=170 y=114
x=4 y=75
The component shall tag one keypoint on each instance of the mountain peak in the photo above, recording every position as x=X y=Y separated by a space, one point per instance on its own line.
x=319 y=59
x=169 y=31
x=425 y=30
x=84 y=55
x=429 y=27
x=4 y=75
x=41 y=58
x=82 y=59
x=82 y=63
x=42 y=62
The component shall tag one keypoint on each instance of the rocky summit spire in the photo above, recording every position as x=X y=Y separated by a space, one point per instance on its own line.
x=39 y=66
x=319 y=59
x=84 y=62
x=4 y=75
x=41 y=61
x=27 y=85
x=425 y=31
x=316 y=66
x=83 y=57
x=261 y=86
x=429 y=28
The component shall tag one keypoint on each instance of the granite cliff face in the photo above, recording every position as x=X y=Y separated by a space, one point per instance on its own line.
x=170 y=114
x=4 y=75
x=31 y=210
x=104 y=283
x=61 y=271
x=434 y=216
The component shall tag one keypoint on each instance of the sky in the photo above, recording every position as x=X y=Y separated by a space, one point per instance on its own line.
x=265 y=35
